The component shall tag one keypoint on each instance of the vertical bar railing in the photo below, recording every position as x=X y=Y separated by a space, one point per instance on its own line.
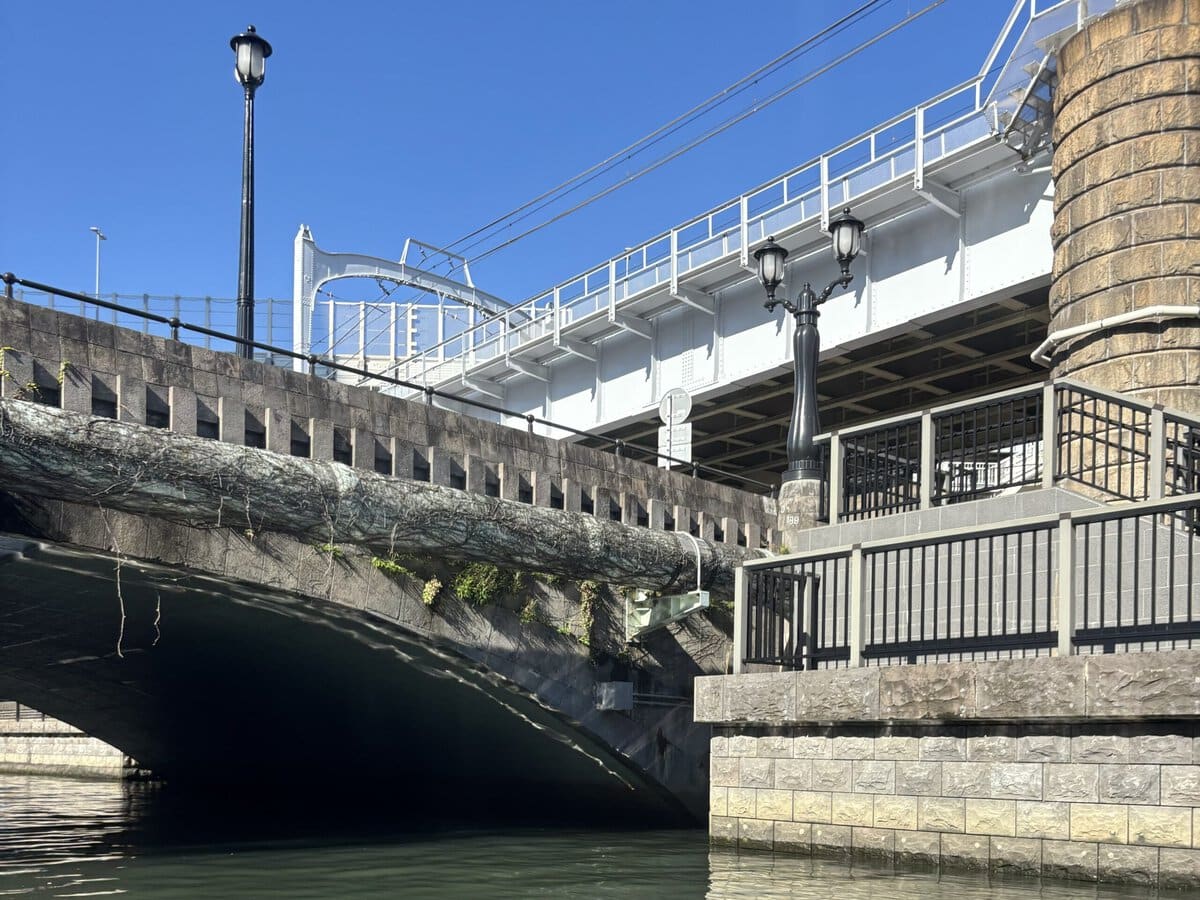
x=880 y=471
x=1103 y=442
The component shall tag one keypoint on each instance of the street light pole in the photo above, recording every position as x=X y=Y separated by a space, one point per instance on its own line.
x=799 y=497
x=100 y=236
x=250 y=52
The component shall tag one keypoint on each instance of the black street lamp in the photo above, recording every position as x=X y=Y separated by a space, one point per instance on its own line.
x=803 y=461
x=250 y=52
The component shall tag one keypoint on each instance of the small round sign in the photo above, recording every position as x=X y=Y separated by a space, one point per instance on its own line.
x=675 y=406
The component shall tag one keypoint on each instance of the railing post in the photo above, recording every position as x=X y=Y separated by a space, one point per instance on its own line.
x=1157 y=462
x=740 y=604
x=927 y=472
x=824 y=169
x=744 y=225
x=1049 y=434
x=674 y=261
x=857 y=611
x=612 y=290
x=919 y=149
x=1066 y=584
x=835 y=477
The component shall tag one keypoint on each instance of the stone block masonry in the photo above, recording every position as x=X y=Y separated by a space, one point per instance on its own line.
x=39 y=745
x=1069 y=785
x=94 y=367
x=1127 y=199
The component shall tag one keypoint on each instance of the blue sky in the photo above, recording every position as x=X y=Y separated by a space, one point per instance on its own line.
x=379 y=121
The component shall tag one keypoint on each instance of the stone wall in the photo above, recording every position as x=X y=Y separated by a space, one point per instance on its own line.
x=1079 y=767
x=1127 y=199
x=96 y=368
x=35 y=744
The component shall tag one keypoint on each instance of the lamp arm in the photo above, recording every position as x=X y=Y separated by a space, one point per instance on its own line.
x=844 y=280
x=786 y=304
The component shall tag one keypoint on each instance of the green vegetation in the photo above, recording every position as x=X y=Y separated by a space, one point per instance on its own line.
x=332 y=549
x=483 y=583
x=390 y=567
x=529 y=612
x=429 y=593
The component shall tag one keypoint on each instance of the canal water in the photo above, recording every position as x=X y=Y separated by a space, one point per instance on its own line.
x=74 y=838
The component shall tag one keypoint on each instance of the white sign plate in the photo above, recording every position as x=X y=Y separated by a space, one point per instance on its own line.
x=675 y=406
x=675 y=441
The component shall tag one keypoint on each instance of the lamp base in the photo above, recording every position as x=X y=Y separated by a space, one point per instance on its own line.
x=802 y=471
x=799 y=509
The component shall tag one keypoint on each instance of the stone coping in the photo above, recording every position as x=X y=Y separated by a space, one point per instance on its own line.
x=1120 y=686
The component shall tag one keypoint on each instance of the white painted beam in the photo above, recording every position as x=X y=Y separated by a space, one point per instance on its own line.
x=634 y=325
x=706 y=303
x=538 y=371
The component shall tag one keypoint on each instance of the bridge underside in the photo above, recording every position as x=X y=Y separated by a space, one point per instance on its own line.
x=926 y=363
x=218 y=683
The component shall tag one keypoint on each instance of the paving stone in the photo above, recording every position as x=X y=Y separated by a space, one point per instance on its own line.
x=771 y=747
x=990 y=817
x=940 y=814
x=793 y=774
x=943 y=747
x=919 y=778
x=1162 y=826
x=811 y=806
x=756 y=773
x=793 y=837
x=846 y=747
x=1071 y=781
x=874 y=842
x=992 y=748
x=1041 y=819
x=1076 y=860
x=1134 y=865
x=1015 y=856
x=967 y=851
x=756 y=834
x=1048 y=748
x=1128 y=784
x=969 y=779
x=773 y=804
x=897 y=747
x=831 y=775
x=852 y=809
x=1102 y=822
x=1180 y=785
x=896 y=812
x=874 y=776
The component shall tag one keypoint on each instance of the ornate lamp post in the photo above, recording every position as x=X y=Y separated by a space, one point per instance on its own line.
x=803 y=461
x=250 y=52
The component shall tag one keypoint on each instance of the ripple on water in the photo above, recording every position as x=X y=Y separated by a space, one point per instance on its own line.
x=67 y=838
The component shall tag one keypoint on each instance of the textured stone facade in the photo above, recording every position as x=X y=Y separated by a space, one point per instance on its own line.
x=1079 y=767
x=39 y=745
x=93 y=367
x=1127 y=199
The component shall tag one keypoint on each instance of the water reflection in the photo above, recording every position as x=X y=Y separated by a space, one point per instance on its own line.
x=65 y=838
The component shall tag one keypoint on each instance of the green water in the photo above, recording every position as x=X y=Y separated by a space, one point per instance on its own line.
x=68 y=838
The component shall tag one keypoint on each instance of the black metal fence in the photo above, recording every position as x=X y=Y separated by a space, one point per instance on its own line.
x=1129 y=580
x=988 y=446
x=798 y=615
x=983 y=594
x=881 y=471
x=1103 y=443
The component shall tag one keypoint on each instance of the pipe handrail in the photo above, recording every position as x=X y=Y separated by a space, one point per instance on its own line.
x=176 y=324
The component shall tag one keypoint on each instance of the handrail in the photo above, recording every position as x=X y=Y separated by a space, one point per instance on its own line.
x=876 y=155
x=1062 y=583
x=176 y=324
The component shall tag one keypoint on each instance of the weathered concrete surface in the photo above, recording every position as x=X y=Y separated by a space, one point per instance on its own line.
x=1118 y=686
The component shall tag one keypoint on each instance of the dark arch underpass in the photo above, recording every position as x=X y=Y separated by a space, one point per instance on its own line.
x=223 y=685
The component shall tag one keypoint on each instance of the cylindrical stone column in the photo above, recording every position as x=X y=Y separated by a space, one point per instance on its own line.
x=1127 y=200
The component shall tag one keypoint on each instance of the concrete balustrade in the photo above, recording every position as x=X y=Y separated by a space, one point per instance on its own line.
x=95 y=368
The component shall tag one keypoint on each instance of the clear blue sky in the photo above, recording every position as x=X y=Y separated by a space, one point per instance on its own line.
x=382 y=120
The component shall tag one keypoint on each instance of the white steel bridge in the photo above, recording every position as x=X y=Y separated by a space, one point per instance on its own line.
x=949 y=297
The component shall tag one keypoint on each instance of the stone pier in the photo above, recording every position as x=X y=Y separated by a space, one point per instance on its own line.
x=1083 y=767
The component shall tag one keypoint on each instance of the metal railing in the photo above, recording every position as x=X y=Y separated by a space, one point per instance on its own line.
x=1100 y=580
x=272 y=317
x=12 y=711
x=173 y=327
x=1110 y=444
